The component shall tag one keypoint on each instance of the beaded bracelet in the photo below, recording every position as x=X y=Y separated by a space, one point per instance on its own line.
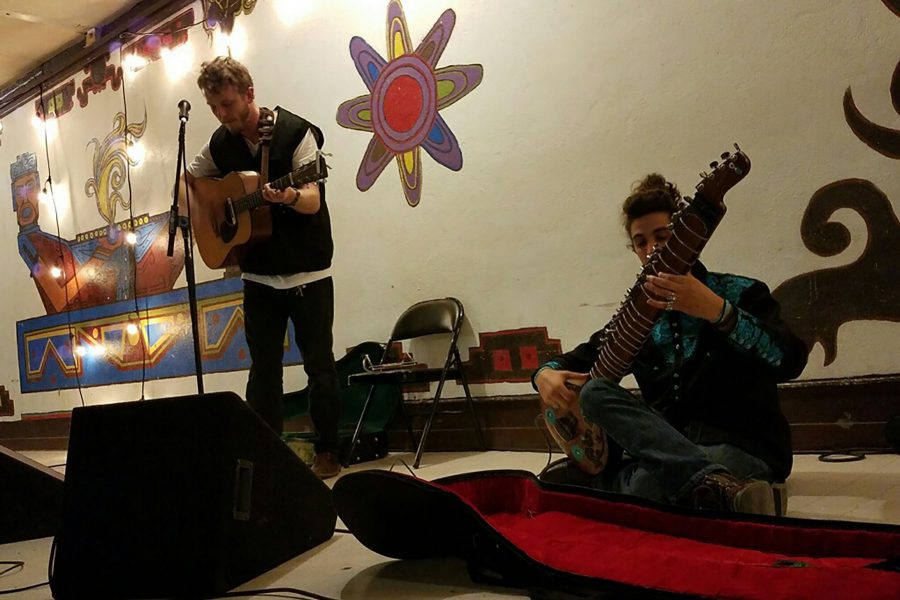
x=728 y=320
x=725 y=306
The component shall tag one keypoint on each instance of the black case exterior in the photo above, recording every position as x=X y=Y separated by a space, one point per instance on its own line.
x=177 y=497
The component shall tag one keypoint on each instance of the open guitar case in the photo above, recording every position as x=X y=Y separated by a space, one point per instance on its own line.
x=564 y=541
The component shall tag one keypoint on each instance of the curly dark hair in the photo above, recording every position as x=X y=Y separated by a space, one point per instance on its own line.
x=223 y=71
x=652 y=194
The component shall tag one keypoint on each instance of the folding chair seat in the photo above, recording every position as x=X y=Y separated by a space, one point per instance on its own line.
x=438 y=316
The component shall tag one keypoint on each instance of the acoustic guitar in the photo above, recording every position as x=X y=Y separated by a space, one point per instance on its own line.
x=228 y=215
x=622 y=337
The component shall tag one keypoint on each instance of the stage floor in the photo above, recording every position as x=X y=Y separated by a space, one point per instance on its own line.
x=867 y=490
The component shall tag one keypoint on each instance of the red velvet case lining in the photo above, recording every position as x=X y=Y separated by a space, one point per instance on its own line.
x=701 y=555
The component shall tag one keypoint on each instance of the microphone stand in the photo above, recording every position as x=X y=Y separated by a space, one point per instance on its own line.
x=184 y=223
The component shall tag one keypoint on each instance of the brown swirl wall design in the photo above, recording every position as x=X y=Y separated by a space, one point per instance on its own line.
x=816 y=304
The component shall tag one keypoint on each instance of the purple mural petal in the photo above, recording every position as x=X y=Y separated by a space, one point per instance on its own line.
x=435 y=41
x=349 y=113
x=411 y=177
x=368 y=62
x=464 y=79
x=374 y=161
x=442 y=146
x=396 y=24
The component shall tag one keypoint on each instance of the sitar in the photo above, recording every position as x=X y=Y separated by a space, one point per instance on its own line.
x=228 y=215
x=624 y=335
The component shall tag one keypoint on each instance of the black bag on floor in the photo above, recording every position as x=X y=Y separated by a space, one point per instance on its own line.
x=373 y=441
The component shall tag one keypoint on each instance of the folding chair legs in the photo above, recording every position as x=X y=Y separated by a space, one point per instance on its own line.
x=427 y=428
x=437 y=396
x=362 y=419
x=481 y=445
x=359 y=425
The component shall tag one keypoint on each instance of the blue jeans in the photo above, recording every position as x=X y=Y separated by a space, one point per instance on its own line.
x=662 y=463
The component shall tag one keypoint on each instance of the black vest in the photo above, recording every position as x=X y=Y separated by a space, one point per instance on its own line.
x=299 y=243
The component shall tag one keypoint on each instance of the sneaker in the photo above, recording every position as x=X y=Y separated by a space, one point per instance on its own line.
x=723 y=492
x=326 y=465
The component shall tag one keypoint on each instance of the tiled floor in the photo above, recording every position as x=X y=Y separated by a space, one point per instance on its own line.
x=868 y=490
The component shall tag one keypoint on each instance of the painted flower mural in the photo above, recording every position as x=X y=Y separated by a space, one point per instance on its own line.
x=405 y=95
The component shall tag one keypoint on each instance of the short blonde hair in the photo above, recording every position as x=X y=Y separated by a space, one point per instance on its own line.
x=221 y=72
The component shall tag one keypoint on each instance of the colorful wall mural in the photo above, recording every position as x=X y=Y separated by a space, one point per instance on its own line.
x=406 y=93
x=106 y=311
x=160 y=346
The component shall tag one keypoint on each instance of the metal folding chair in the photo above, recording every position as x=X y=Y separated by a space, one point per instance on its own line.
x=439 y=316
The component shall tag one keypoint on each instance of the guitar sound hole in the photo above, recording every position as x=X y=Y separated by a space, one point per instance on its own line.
x=567 y=426
x=227 y=232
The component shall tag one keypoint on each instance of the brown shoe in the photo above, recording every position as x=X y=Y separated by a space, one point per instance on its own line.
x=722 y=491
x=326 y=465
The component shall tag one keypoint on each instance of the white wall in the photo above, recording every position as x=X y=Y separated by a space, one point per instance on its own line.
x=579 y=99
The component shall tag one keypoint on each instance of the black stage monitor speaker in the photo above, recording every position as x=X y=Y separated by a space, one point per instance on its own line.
x=892 y=433
x=180 y=497
x=30 y=498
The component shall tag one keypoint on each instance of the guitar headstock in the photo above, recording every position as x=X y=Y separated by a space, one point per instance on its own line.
x=313 y=171
x=724 y=176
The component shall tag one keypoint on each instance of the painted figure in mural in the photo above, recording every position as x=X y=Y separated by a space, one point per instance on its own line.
x=287 y=276
x=92 y=271
x=708 y=431
x=52 y=261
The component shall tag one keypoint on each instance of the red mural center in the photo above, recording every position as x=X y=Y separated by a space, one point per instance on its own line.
x=402 y=103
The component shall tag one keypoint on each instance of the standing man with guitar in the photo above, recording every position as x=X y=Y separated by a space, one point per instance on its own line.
x=286 y=276
x=708 y=431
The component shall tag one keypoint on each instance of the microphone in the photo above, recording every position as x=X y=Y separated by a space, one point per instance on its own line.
x=184 y=108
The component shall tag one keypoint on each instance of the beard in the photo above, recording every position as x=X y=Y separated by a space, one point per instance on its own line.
x=237 y=125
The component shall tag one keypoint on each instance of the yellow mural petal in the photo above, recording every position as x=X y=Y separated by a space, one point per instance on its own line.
x=397 y=48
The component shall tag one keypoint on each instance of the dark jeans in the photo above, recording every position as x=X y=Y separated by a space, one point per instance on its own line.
x=311 y=309
x=662 y=463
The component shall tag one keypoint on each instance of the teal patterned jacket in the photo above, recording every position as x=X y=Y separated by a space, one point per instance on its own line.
x=718 y=387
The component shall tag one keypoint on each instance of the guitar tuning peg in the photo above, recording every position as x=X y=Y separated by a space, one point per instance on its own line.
x=725 y=155
x=687 y=199
x=736 y=147
x=703 y=174
x=713 y=164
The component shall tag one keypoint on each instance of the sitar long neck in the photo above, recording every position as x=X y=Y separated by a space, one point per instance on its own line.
x=625 y=334
x=622 y=338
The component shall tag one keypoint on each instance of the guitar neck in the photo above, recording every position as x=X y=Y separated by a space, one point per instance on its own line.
x=625 y=334
x=312 y=171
